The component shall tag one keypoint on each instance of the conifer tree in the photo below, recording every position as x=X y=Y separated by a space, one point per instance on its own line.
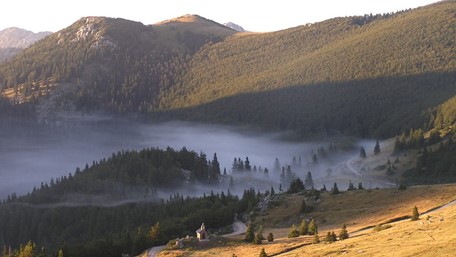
x=263 y=253
x=316 y=239
x=257 y=240
x=362 y=153
x=377 y=148
x=249 y=234
x=360 y=186
x=28 y=250
x=324 y=188
x=247 y=164
x=277 y=165
x=154 y=232
x=415 y=214
x=343 y=233
x=333 y=236
x=308 y=181
x=303 y=228
x=270 y=237
x=235 y=165
x=314 y=159
x=335 y=189
x=296 y=186
x=293 y=232
x=312 y=228
x=351 y=186
x=294 y=161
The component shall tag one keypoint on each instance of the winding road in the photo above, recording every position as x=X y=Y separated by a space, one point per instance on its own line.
x=239 y=228
x=154 y=251
x=355 y=171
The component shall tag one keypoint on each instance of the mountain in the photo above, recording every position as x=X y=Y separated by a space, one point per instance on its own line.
x=19 y=38
x=369 y=76
x=114 y=64
x=14 y=40
x=234 y=26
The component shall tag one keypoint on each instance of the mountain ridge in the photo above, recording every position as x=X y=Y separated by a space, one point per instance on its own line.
x=125 y=66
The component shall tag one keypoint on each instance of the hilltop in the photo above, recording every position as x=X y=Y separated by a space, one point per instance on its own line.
x=372 y=75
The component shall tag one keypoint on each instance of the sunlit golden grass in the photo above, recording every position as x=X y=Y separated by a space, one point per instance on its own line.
x=240 y=248
x=433 y=237
x=357 y=209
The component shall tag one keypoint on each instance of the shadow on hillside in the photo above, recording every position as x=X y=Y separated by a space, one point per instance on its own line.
x=380 y=107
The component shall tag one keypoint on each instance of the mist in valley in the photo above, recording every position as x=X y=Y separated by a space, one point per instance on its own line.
x=28 y=159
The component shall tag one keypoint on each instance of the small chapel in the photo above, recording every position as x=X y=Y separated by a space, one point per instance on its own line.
x=201 y=233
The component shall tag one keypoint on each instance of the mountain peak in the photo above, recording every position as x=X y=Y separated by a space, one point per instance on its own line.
x=187 y=18
x=234 y=26
x=197 y=23
x=84 y=28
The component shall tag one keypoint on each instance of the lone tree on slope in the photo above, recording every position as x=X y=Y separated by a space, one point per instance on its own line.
x=263 y=253
x=270 y=237
x=415 y=214
x=343 y=233
x=377 y=148
x=249 y=234
x=362 y=153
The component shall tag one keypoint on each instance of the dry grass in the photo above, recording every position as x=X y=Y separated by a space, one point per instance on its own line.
x=435 y=237
x=241 y=249
x=358 y=209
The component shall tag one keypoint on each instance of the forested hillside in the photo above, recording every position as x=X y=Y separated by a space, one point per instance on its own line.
x=110 y=207
x=128 y=176
x=369 y=76
x=113 y=64
x=365 y=76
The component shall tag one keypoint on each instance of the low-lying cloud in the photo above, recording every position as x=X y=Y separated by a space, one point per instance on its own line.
x=39 y=156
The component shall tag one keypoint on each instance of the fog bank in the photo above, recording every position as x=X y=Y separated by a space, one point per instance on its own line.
x=27 y=160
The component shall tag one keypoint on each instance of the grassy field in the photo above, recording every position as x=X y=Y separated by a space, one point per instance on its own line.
x=357 y=209
x=433 y=237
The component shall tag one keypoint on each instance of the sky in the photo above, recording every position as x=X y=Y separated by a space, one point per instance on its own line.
x=252 y=15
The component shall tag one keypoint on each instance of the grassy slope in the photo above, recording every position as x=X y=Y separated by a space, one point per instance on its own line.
x=359 y=209
x=409 y=43
x=420 y=238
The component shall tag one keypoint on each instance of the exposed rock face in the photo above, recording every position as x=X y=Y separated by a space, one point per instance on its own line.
x=90 y=29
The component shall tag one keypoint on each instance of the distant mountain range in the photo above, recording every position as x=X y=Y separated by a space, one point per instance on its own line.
x=13 y=40
x=372 y=75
